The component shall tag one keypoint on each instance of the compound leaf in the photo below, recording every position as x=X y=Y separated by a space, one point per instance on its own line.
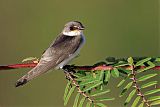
x=121 y=83
x=153 y=98
x=66 y=90
x=104 y=99
x=151 y=91
x=141 y=62
x=107 y=75
x=69 y=95
x=155 y=103
x=115 y=72
x=130 y=97
x=149 y=84
x=100 y=105
x=93 y=86
x=76 y=100
x=136 y=101
x=99 y=92
x=81 y=102
x=145 y=77
x=126 y=88
x=141 y=105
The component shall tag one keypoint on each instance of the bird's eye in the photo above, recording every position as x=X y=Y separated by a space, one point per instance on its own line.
x=73 y=28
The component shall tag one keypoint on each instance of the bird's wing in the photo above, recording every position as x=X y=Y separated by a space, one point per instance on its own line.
x=59 y=50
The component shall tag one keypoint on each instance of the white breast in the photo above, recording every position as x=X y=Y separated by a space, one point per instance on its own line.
x=73 y=33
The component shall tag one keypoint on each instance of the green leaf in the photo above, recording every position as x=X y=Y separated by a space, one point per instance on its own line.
x=81 y=102
x=107 y=75
x=92 y=105
x=93 y=86
x=136 y=101
x=124 y=71
x=88 y=104
x=155 y=103
x=145 y=77
x=66 y=90
x=29 y=59
x=89 y=81
x=104 y=99
x=76 y=100
x=130 y=97
x=99 y=92
x=115 y=72
x=141 y=62
x=84 y=78
x=157 y=59
x=151 y=63
x=126 y=88
x=101 y=75
x=121 y=64
x=121 y=83
x=151 y=91
x=130 y=60
x=153 y=98
x=69 y=95
x=149 y=84
x=147 y=68
x=141 y=105
x=101 y=105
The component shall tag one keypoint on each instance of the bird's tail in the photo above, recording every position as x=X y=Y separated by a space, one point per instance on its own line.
x=36 y=71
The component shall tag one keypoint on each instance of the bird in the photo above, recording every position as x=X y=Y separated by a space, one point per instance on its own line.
x=61 y=51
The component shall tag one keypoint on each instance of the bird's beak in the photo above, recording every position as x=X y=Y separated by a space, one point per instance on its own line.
x=81 y=28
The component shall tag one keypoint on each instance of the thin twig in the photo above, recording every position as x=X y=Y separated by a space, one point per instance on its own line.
x=69 y=76
x=137 y=87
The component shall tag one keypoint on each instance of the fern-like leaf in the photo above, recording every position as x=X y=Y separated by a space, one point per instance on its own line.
x=149 y=84
x=153 y=98
x=121 y=83
x=69 y=95
x=141 y=62
x=136 y=102
x=104 y=99
x=93 y=86
x=155 y=103
x=126 y=88
x=145 y=77
x=100 y=105
x=99 y=92
x=115 y=73
x=141 y=105
x=66 y=90
x=130 y=97
x=81 y=102
x=76 y=100
x=152 y=91
x=107 y=75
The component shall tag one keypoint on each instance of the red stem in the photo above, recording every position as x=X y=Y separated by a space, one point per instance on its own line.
x=100 y=67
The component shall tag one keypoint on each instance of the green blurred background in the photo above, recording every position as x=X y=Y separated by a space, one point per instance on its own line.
x=119 y=28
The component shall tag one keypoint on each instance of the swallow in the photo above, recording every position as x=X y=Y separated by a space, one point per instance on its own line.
x=60 y=52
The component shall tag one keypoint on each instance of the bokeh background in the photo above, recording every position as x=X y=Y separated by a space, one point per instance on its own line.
x=118 y=28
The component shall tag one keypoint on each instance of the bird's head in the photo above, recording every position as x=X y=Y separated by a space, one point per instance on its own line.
x=73 y=28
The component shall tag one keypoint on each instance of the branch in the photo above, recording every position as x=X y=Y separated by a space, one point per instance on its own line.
x=86 y=68
x=16 y=66
x=136 y=86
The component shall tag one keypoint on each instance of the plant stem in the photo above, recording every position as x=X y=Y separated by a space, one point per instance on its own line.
x=86 y=68
x=69 y=76
x=137 y=87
